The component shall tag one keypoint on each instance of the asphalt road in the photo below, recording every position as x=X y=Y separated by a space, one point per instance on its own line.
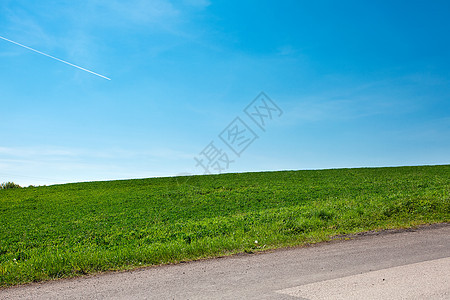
x=412 y=264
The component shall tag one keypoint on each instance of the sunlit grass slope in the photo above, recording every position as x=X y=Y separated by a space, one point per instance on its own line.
x=66 y=230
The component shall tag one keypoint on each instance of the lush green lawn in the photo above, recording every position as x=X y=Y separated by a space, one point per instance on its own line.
x=66 y=230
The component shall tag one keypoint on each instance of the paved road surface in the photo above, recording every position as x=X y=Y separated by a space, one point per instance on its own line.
x=393 y=265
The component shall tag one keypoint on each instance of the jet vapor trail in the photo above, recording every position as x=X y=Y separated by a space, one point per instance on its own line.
x=63 y=61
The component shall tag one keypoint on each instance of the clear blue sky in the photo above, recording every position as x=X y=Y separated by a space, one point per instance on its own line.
x=360 y=83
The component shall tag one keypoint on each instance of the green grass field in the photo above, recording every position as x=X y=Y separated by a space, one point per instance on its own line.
x=66 y=230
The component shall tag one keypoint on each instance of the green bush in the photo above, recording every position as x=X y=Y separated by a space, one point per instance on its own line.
x=9 y=185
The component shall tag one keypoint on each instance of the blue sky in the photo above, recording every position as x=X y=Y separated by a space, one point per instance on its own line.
x=360 y=84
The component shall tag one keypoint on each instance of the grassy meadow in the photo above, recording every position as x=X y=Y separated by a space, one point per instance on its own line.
x=67 y=230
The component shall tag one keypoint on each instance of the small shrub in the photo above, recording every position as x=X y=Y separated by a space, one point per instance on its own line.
x=9 y=185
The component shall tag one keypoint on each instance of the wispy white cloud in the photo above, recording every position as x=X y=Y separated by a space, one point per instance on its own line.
x=70 y=30
x=52 y=164
x=36 y=151
x=20 y=22
x=134 y=11
x=394 y=96
x=55 y=152
x=198 y=3
x=322 y=108
x=286 y=50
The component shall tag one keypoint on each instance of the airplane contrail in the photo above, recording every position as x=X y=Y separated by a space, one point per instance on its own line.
x=63 y=61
